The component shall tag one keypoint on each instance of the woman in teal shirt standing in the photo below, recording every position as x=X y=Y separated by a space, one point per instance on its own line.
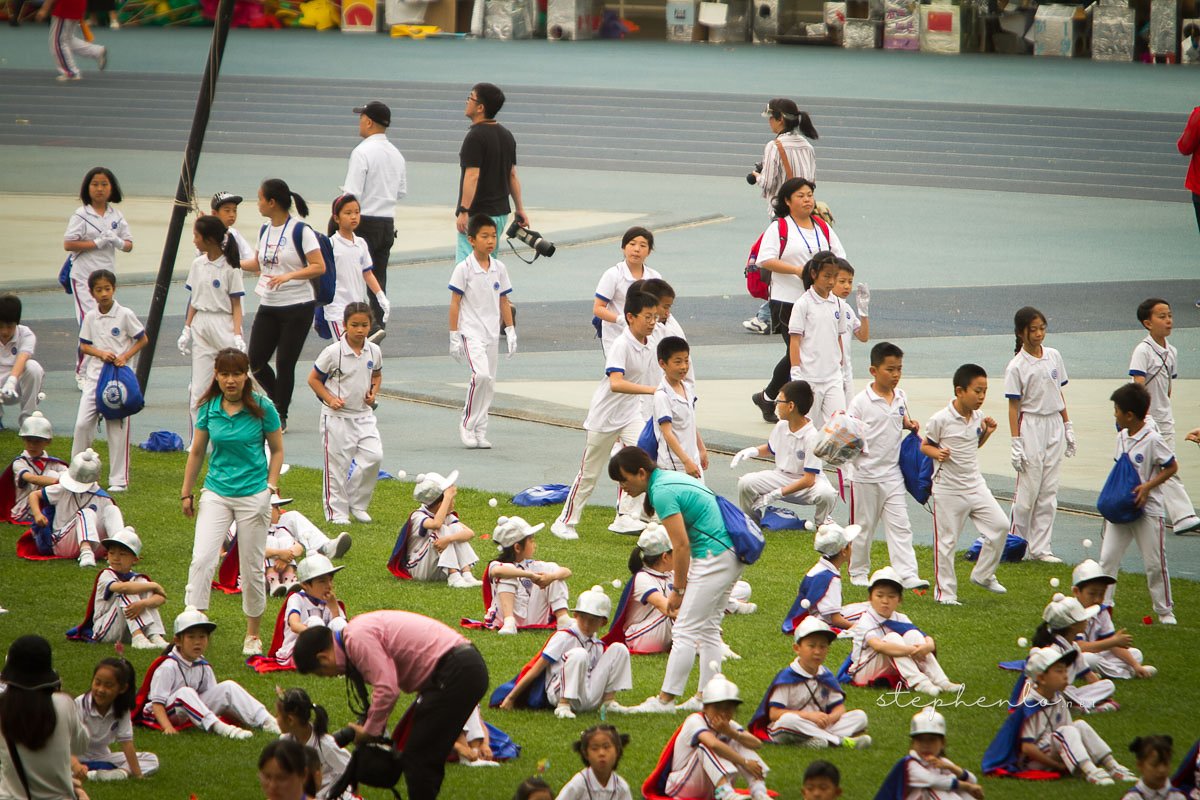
x=706 y=568
x=237 y=421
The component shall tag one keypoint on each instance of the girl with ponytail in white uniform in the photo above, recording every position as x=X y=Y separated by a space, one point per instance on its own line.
x=352 y=260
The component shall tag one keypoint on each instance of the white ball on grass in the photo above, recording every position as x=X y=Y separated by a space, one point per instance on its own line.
x=1054 y=583
x=493 y=502
x=1022 y=642
x=401 y=474
x=616 y=584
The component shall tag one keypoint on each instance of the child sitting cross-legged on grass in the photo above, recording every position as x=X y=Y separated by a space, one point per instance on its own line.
x=525 y=592
x=124 y=604
x=434 y=544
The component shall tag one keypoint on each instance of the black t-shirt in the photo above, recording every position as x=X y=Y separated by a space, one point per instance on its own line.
x=490 y=147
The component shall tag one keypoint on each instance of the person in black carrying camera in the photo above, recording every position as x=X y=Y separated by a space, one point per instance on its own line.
x=394 y=652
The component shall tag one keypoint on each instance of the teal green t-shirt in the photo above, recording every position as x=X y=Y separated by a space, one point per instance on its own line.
x=679 y=493
x=237 y=466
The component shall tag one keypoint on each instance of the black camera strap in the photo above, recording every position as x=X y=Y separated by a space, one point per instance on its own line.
x=513 y=247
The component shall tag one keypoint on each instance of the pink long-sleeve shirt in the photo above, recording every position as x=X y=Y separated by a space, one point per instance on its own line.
x=396 y=651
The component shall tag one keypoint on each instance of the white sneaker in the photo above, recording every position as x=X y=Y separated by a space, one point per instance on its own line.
x=613 y=707
x=724 y=792
x=509 y=628
x=455 y=581
x=106 y=775
x=949 y=601
x=1099 y=777
x=564 y=531
x=339 y=521
x=158 y=641
x=467 y=437
x=252 y=646
x=271 y=726
x=1046 y=558
x=693 y=703
x=861 y=742
x=470 y=579
x=279 y=590
x=361 y=516
x=991 y=584
x=625 y=523
x=479 y=762
x=377 y=337
x=87 y=558
x=755 y=325
x=916 y=584
x=140 y=642
x=337 y=546
x=744 y=608
x=482 y=443
x=926 y=687
x=652 y=705
x=953 y=688
x=1165 y=619
x=1150 y=671
x=1188 y=524
x=563 y=711
x=1120 y=772
x=229 y=731
x=117 y=489
x=856 y=580
x=759 y=792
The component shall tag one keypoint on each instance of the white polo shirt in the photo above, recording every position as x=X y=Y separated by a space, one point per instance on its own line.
x=114 y=331
x=377 y=176
x=808 y=695
x=351 y=259
x=688 y=739
x=86 y=225
x=213 y=284
x=821 y=321
x=960 y=435
x=564 y=640
x=883 y=430
x=612 y=288
x=831 y=603
x=1036 y=382
x=176 y=672
x=277 y=256
x=802 y=245
x=680 y=411
x=1149 y=453
x=102 y=729
x=480 y=290
x=853 y=326
x=347 y=375
x=612 y=411
x=1159 y=367
x=23 y=341
x=793 y=450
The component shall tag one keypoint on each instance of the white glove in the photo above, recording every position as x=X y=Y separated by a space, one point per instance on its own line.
x=1018 y=454
x=1069 y=435
x=185 y=341
x=862 y=299
x=564 y=712
x=115 y=238
x=385 y=308
x=239 y=342
x=795 y=374
x=458 y=348
x=103 y=240
x=510 y=334
x=742 y=455
x=772 y=496
x=9 y=392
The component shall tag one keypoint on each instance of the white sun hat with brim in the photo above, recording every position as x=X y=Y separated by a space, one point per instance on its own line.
x=927 y=721
x=510 y=530
x=720 y=689
x=36 y=426
x=595 y=602
x=126 y=537
x=83 y=473
x=430 y=486
x=832 y=538
x=1089 y=570
x=277 y=501
x=654 y=541
x=1041 y=659
x=1063 y=612
x=885 y=575
x=190 y=618
x=315 y=566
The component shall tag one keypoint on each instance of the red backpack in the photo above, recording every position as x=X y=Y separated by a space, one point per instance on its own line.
x=758 y=281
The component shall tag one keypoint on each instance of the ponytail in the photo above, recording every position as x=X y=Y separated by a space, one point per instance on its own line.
x=211 y=229
x=233 y=254
x=636 y=563
x=297 y=703
x=1043 y=636
x=301 y=206
x=806 y=126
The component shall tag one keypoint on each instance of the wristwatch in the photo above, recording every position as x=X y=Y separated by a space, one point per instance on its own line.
x=678 y=591
x=460 y=210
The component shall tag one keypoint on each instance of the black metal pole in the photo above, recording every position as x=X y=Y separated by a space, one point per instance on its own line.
x=183 y=194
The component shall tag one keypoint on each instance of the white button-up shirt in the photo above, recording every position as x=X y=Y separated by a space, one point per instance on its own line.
x=377 y=176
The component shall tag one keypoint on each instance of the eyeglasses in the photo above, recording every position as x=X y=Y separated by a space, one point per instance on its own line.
x=472 y=98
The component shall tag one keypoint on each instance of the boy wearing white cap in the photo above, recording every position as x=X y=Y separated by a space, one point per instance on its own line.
x=124 y=603
x=439 y=544
x=1064 y=620
x=582 y=674
x=820 y=593
x=1105 y=649
x=34 y=468
x=926 y=773
x=80 y=513
x=804 y=704
x=888 y=648
x=710 y=750
x=315 y=603
x=524 y=591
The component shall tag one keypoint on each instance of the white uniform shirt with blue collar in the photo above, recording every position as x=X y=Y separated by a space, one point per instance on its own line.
x=1036 y=382
x=820 y=321
x=23 y=341
x=115 y=331
x=176 y=672
x=831 y=603
x=86 y=225
x=871 y=625
x=680 y=411
x=560 y=643
x=347 y=375
x=793 y=450
x=480 y=290
x=584 y=785
x=1149 y=453
x=688 y=739
x=303 y=605
x=277 y=256
x=613 y=287
x=353 y=260
x=810 y=694
x=612 y=411
x=102 y=729
x=1159 y=367
x=960 y=435
x=883 y=430
x=214 y=284
x=1140 y=791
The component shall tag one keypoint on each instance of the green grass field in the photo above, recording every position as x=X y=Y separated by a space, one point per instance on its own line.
x=49 y=597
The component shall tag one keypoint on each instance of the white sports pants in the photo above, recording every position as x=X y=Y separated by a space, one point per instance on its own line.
x=705 y=769
x=951 y=510
x=753 y=485
x=1036 y=500
x=147 y=761
x=652 y=635
x=347 y=439
x=1078 y=745
x=212 y=332
x=482 y=358
x=28 y=387
x=1147 y=531
x=86 y=526
x=114 y=626
x=227 y=697
x=532 y=606
x=828 y=397
x=869 y=504
x=1175 y=497
x=912 y=671
x=216 y=513
x=64 y=44
x=434 y=565
x=117 y=432
x=791 y=724
x=584 y=689
x=697 y=627
x=1108 y=665
x=596 y=453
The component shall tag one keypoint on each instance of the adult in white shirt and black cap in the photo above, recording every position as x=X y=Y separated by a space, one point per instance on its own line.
x=378 y=177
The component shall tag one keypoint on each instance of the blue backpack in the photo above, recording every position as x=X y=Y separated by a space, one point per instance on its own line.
x=648 y=441
x=916 y=467
x=748 y=540
x=118 y=394
x=324 y=286
x=1116 y=502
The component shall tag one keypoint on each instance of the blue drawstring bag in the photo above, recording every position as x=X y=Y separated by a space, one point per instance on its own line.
x=597 y=324
x=1116 y=502
x=781 y=519
x=163 y=442
x=648 y=441
x=1014 y=549
x=118 y=394
x=545 y=495
x=748 y=540
x=64 y=275
x=320 y=324
x=917 y=468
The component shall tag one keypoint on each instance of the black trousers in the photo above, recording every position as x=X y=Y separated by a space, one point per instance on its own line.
x=439 y=714
x=279 y=331
x=781 y=315
x=380 y=233
x=1196 y=204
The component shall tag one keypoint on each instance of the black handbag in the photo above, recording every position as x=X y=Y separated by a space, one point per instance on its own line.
x=375 y=763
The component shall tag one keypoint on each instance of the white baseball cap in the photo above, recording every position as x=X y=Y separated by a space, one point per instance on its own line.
x=720 y=689
x=927 y=720
x=654 y=540
x=1063 y=612
x=885 y=574
x=430 y=486
x=190 y=618
x=1041 y=659
x=81 y=476
x=280 y=501
x=510 y=530
x=126 y=537
x=832 y=538
x=315 y=566
x=811 y=625
x=1089 y=570
x=595 y=602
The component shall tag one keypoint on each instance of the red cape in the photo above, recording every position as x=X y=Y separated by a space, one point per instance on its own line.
x=476 y=624
x=269 y=662
x=27 y=548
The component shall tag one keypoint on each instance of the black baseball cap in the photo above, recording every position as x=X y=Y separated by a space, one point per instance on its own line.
x=221 y=198
x=377 y=112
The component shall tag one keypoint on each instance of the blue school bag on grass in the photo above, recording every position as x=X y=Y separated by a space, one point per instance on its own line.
x=118 y=394
x=916 y=468
x=1014 y=549
x=1116 y=502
